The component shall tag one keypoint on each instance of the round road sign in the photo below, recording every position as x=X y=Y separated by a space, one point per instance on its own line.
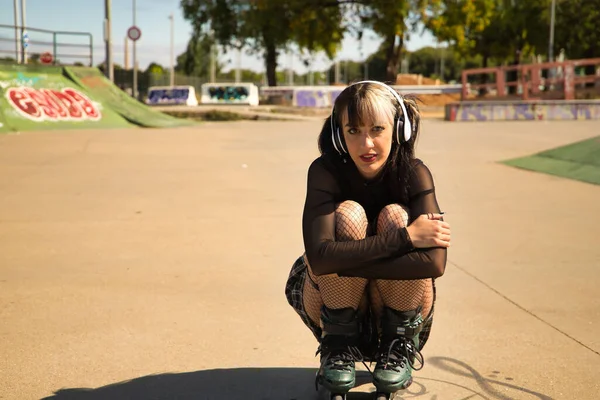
x=134 y=33
x=46 y=58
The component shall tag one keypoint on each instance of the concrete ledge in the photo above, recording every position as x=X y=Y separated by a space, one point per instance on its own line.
x=532 y=110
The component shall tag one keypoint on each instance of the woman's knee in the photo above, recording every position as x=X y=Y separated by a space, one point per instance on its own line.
x=392 y=216
x=350 y=221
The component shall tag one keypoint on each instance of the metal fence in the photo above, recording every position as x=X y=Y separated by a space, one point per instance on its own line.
x=66 y=48
x=124 y=80
x=566 y=80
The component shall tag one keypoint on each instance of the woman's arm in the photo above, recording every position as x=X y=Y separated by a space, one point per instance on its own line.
x=383 y=256
x=420 y=263
x=324 y=254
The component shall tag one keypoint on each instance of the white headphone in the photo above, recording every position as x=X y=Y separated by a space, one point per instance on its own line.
x=401 y=122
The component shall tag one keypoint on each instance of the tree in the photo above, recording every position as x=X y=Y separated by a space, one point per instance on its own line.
x=500 y=29
x=463 y=23
x=155 y=68
x=267 y=26
x=195 y=61
x=246 y=75
x=577 y=28
x=526 y=25
x=393 y=21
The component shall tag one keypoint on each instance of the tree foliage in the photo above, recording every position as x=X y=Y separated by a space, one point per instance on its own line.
x=461 y=22
x=266 y=26
x=155 y=68
x=393 y=21
x=501 y=29
x=195 y=60
x=577 y=29
x=479 y=32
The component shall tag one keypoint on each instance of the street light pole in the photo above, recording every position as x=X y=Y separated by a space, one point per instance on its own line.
x=23 y=27
x=551 y=43
x=108 y=71
x=135 y=82
x=213 y=61
x=17 y=36
x=172 y=18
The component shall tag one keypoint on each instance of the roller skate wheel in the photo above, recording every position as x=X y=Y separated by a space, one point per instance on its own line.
x=337 y=396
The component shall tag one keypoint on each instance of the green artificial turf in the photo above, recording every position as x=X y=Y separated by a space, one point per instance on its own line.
x=579 y=161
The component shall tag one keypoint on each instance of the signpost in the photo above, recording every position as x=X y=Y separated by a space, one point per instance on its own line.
x=46 y=58
x=134 y=33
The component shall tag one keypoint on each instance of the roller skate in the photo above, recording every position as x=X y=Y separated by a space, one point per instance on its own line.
x=339 y=352
x=397 y=352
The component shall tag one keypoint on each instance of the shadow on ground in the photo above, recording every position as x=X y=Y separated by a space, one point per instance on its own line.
x=295 y=384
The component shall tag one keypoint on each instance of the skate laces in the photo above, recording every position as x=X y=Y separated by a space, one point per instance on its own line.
x=400 y=351
x=339 y=358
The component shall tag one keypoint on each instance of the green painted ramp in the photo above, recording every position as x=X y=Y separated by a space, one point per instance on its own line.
x=579 y=161
x=95 y=82
x=41 y=97
x=3 y=126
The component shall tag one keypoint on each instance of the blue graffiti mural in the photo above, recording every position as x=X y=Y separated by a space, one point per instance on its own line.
x=168 y=96
x=228 y=93
x=523 y=111
x=312 y=98
x=315 y=97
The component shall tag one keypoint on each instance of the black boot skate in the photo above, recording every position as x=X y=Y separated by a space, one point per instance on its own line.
x=339 y=351
x=398 y=351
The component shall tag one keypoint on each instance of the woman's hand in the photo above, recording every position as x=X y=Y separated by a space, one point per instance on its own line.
x=428 y=230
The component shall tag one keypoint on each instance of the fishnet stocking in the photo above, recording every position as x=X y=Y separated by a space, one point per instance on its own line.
x=334 y=291
x=399 y=295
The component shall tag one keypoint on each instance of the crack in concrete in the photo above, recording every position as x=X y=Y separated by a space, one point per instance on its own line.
x=523 y=308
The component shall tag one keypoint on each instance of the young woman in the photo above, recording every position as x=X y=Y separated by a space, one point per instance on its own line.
x=375 y=241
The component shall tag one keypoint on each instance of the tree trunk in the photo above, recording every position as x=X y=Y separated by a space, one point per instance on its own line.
x=485 y=78
x=271 y=63
x=515 y=76
x=392 y=57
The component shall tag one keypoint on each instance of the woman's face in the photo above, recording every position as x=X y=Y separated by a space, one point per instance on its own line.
x=369 y=145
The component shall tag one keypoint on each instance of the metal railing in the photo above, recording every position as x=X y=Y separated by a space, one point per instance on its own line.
x=565 y=80
x=46 y=41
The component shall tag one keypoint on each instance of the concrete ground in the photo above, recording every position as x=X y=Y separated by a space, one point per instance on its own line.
x=151 y=264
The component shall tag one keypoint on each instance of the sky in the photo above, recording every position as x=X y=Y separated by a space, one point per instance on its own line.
x=152 y=17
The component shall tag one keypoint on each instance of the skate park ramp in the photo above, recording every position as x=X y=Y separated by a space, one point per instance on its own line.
x=103 y=89
x=41 y=97
x=579 y=161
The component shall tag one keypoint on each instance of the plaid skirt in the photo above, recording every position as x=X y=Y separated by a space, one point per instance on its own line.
x=294 y=293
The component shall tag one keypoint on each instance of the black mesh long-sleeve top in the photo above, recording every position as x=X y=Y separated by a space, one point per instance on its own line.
x=381 y=256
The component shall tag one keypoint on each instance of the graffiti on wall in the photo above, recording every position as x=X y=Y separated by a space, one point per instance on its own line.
x=312 y=98
x=523 y=112
x=315 y=98
x=67 y=104
x=158 y=96
x=229 y=93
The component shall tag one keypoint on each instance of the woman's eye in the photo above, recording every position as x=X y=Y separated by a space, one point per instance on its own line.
x=378 y=128
x=352 y=131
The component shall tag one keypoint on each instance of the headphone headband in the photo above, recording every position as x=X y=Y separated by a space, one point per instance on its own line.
x=407 y=127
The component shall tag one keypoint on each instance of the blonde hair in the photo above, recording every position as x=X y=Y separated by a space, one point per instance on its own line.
x=372 y=100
